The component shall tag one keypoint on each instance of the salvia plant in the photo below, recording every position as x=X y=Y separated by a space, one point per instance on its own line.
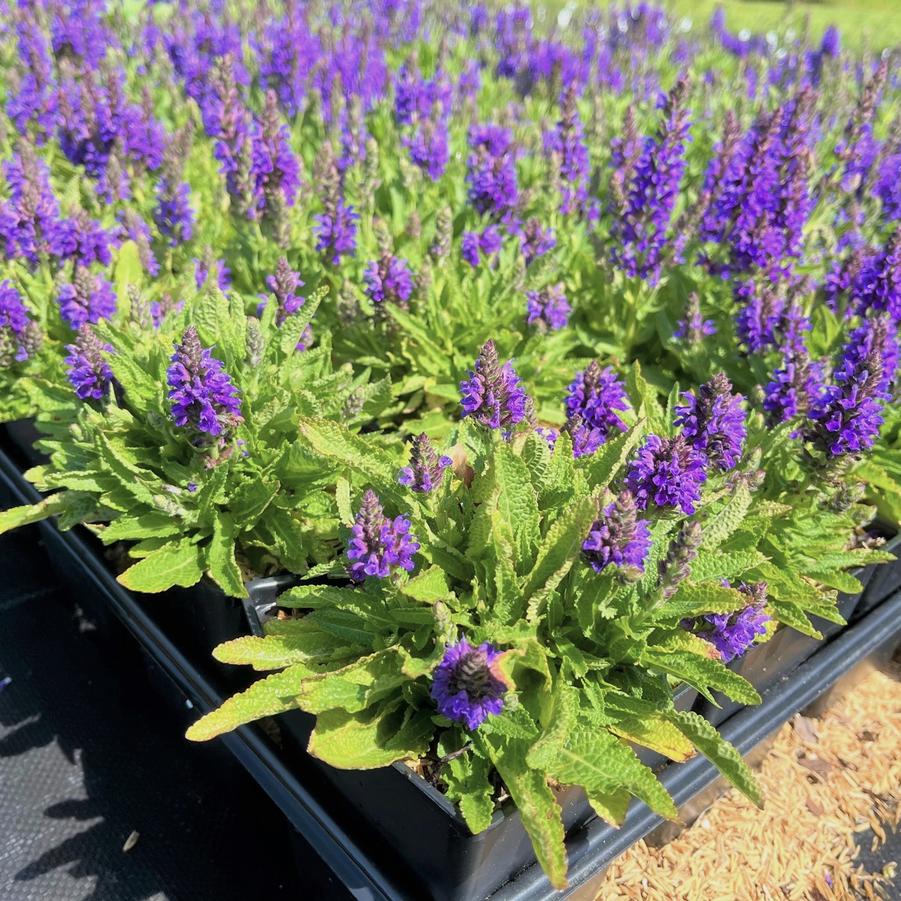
x=557 y=358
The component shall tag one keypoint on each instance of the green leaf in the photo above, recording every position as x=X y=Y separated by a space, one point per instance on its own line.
x=15 y=517
x=180 y=564
x=146 y=525
x=598 y=761
x=331 y=440
x=290 y=645
x=427 y=586
x=250 y=501
x=696 y=599
x=372 y=738
x=702 y=673
x=712 y=565
x=611 y=806
x=536 y=803
x=516 y=503
x=356 y=686
x=468 y=783
x=561 y=546
x=272 y=695
x=221 y=558
x=718 y=751
x=727 y=519
x=792 y=615
x=605 y=463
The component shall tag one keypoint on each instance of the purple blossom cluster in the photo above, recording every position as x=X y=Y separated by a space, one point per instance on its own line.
x=733 y=633
x=88 y=298
x=475 y=245
x=19 y=334
x=548 y=309
x=378 y=544
x=667 y=472
x=713 y=422
x=493 y=395
x=201 y=394
x=389 y=280
x=426 y=469
x=597 y=396
x=467 y=685
x=619 y=538
x=491 y=172
x=88 y=371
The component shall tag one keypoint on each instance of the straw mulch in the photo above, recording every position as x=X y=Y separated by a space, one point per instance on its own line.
x=829 y=783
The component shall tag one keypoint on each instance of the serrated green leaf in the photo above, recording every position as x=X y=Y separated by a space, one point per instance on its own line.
x=468 y=783
x=697 y=599
x=146 y=525
x=372 y=738
x=220 y=558
x=15 y=517
x=536 y=803
x=718 y=751
x=712 y=565
x=356 y=686
x=611 y=806
x=427 y=586
x=272 y=695
x=702 y=673
x=727 y=519
x=170 y=565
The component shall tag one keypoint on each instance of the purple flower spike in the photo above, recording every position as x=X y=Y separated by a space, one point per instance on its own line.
x=336 y=231
x=694 y=328
x=713 y=421
x=733 y=633
x=89 y=298
x=389 y=280
x=595 y=395
x=467 y=685
x=667 y=472
x=847 y=415
x=426 y=469
x=89 y=373
x=19 y=336
x=493 y=394
x=619 y=538
x=586 y=439
x=548 y=309
x=379 y=544
x=201 y=394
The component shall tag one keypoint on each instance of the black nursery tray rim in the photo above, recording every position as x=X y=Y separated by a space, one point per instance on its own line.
x=591 y=848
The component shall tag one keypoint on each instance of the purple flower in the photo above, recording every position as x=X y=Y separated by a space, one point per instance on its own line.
x=426 y=469
x=568 y=151
x=548 y=308
x=667 y=472
x=19 y=336
x=596 y=395
x=846 y=416
x=757 y=321
x=284 y=284
x=379 y=544
x=81 y=239
x=675 y=567
x=173 y=214
x=28 y=220
x=733 y=633
x=467 y=685
x=205 y=266
x=713 y=421
x=389 y=280
x=493 y=394
x=89 y=373
x=694 y=327
x=336 y=231
x=89 y=298
x=201 y=395
x=274 y=168
x=793 y=386
x=878 y=285
x=642 y=231
x=535 y=240
x=473 y=244
x=428 y=144
x=491 y=171
x=549 y=435
x=619 y=538
x=586 y=439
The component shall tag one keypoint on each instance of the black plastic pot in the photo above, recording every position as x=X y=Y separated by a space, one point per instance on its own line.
x=765 y=664
x=21 y=435
x=338 y=816
x=885 y=580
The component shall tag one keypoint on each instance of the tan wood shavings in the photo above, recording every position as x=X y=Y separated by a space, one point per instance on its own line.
x=828 y=783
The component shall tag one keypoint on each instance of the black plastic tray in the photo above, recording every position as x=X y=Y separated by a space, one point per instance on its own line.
x=350 y=849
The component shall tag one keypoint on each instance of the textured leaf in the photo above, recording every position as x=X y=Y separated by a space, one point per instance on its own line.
x=561 y=546
x=15 y=517
x=356 y=686
x=713 y=565
x=331 y=440
x=468 y=783
x=370 y=739
x=517 y=504
x=272 y=695
x=309 y=646
x=536 y=803
x=597 y=760
x=180 y=564
x=611 y=806
x=220 y=558
x=718 y=751
x=726 y=520
x=792 y=615
x=606 y=462
x=428 y=586
x=694 y=599
x=134 y=528
x=703 y=673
